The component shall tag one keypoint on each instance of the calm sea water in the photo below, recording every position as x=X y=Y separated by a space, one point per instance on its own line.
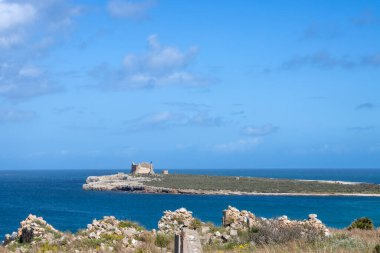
x=57 y=195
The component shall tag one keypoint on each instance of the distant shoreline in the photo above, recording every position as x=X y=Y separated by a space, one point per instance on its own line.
x=331 y=181
x=228 y=185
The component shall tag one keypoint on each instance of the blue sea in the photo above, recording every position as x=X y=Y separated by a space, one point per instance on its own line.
x=57 y=196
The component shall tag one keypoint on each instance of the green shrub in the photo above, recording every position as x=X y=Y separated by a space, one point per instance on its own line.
x=244 y=235
x=46 y=247
x=162 y=240
x=88 y=243
x=195 y=224
x=130 y=224
x=376 y=249
x=111 y=237
x=362 y=223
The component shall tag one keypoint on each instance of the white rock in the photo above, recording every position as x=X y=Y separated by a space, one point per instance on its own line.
x=233 y=232
x=312 y=216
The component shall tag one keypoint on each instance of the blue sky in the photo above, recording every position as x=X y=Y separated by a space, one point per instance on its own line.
x=189 y=84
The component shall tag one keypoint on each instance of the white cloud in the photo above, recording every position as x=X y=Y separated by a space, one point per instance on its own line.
x=259 y=131
x=130 y=9
x=159 y=58
x=159 y=66
x=15 y=14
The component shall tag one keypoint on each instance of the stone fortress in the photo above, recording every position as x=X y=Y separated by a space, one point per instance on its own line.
x=143 y=168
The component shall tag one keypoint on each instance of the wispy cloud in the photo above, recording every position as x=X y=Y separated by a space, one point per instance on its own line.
x=361 y=128
x=23 y=82
x=365 y=106
x=136 y=10
x=85 y=128
x=168 y=119
x=320 y=31
x=326 y=60
x=8 y=115
x=366 y=18
x=320 y=59
x=159 y=66
x=240 y=145
x=326 y=148
x=253 y=137
x=259 y=130
x=28 y=29
x=372 y=60
x=63 y=109
x=238 y=113
x=188 y=106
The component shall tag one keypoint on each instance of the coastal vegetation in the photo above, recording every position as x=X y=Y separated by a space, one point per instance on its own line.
x=342 y=241
x=206 y=184
x=362 y=223
x=259 y=185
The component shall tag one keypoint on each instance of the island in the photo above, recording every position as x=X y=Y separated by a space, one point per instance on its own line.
x=150 y=182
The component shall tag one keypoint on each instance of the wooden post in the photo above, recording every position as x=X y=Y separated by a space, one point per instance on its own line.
x=177 y=244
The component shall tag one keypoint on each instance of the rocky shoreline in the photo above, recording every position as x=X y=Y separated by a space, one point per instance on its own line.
x=140 y=184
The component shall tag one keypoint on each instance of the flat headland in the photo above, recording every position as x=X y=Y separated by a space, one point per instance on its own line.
x=227 y=185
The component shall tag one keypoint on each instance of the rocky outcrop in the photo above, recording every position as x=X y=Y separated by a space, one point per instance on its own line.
x=236 y=219
x=127 y=233
x=101 y=235
x=110 y=234
x=312 y=223
x=33 y=229
x=117 y=182
x=174 y=222
x=241 y=220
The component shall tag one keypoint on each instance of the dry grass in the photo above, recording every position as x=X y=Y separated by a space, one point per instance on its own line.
x=342 y=241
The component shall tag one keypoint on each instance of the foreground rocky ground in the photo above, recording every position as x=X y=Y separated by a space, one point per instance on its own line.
x=222 y=185
x=241 y=231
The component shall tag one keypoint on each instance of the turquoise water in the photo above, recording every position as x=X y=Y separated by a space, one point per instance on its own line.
x=59 y=198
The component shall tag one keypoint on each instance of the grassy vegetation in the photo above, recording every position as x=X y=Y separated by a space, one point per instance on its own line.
x=162 y=240
x=287 y=240
x=130 y=224
x=259 y=185
x=342 y=241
